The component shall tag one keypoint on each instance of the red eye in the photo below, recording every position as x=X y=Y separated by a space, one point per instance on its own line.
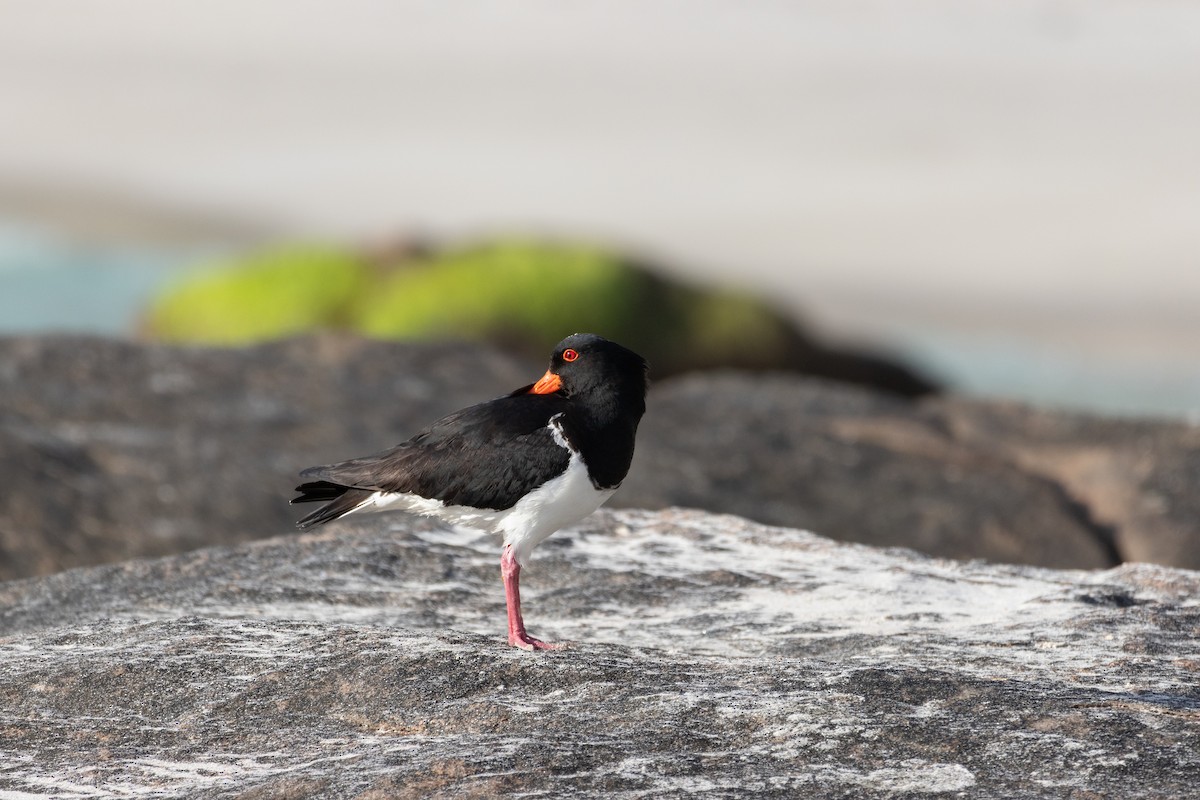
x=570 y=355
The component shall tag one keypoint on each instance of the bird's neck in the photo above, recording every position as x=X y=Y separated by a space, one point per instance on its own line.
x=604 y=428
x=611 y=410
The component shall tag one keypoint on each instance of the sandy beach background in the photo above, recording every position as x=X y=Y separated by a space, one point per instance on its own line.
x=1007 y=192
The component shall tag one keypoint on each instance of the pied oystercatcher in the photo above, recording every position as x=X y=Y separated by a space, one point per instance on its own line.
x=523 y=465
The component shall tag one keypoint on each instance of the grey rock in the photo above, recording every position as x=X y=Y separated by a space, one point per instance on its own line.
x=713 y=657
x=111 y=450
x=853 y=465
x=1137 y=479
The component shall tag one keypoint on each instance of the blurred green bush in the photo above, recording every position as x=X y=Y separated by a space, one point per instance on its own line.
x=518 y=293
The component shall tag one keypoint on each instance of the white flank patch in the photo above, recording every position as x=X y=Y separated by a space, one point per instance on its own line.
x=556 y=503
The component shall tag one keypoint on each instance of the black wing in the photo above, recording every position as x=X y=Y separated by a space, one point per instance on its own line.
x=486 y=456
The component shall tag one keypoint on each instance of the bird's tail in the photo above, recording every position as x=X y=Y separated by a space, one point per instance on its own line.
x=339 y=501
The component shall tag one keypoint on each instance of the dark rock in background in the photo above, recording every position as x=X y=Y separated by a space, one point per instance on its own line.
x=113 y=450
x=1138 y=480
x=712 y=657
x=110 y=450
x=853 y=465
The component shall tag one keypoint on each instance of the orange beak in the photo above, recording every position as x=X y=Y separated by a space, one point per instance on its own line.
x=549 y=384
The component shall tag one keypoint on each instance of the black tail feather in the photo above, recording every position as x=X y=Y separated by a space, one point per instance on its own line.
x=340 y=501
x=318 y=492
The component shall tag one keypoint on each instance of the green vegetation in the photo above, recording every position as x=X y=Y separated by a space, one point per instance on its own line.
x=266 y=296
x=521 y=293
x=512 y=288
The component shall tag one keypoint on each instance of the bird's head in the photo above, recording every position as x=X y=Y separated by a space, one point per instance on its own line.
x=585 y=364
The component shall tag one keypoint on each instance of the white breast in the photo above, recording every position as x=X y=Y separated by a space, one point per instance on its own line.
x=556 y=503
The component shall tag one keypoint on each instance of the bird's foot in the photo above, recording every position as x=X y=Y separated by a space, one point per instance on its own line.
x=526 y=642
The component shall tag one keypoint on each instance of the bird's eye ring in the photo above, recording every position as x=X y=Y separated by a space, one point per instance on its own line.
x=570 y=355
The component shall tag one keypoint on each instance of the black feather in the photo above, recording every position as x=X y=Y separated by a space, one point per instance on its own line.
x=487 y=456
x=343 y=503
x=491 y=455
x=318 y=492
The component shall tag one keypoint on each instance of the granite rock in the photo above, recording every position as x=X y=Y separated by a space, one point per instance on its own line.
x=711 y=656
x=111 y=450
x=853 y=465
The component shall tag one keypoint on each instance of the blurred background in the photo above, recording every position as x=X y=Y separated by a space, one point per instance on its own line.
x=1002 y=196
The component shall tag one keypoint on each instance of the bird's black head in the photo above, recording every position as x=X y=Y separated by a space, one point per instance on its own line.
x=586 y=365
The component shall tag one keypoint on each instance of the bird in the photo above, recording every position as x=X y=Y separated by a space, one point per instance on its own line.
x=523 y=465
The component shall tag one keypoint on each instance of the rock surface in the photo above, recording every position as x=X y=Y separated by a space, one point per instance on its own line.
x=712 y=656
x=854 y=465
x=111 y=450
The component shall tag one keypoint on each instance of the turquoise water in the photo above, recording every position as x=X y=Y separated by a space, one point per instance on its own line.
x=50 y=285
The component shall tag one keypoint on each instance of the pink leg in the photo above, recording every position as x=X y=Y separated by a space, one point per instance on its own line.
x=510 y=571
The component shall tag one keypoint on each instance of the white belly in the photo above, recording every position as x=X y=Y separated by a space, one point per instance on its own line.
x=556 y=503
